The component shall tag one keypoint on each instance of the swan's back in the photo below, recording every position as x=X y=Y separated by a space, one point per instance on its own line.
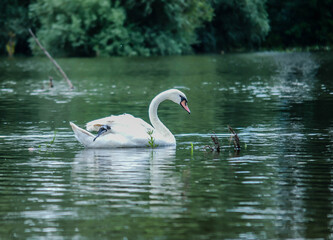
x=126 y=131
x=125 y=124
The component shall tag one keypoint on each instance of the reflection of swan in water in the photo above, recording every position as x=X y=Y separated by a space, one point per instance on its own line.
x=128 y=131
x=132 y=178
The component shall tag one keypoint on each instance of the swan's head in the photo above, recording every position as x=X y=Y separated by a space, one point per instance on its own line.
x=103 y=129
x=178 y=97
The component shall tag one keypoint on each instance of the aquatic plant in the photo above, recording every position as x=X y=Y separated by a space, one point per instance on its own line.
x=46 y=147
x=53 y=139
x=151 y=139
x=50 y=143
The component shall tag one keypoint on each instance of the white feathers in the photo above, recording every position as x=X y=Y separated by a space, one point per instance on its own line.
x=129 y=131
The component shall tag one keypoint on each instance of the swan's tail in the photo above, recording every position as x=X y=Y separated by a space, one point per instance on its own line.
x=83 y=136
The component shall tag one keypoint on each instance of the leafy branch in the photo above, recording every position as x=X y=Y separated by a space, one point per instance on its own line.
x=151 y=139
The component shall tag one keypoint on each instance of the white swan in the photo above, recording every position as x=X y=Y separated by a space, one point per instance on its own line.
x=128 y=131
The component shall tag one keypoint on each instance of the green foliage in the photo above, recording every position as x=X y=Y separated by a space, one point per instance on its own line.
x=101 y=27
x=14 y=22
x=300 y=23
x=151 y=140
x=79 y=28
x=237 y=24
x=155 y=27
x=168 y=27
x=47 y=146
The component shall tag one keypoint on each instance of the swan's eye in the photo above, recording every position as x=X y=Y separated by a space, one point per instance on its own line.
x=182 y=99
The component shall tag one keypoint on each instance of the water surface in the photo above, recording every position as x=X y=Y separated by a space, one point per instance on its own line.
x=278 y=186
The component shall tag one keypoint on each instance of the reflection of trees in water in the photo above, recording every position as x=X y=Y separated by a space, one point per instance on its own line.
x=296 y=76
x=303 y=175
x=290 y=194
x=293 y=80
x=304 y=194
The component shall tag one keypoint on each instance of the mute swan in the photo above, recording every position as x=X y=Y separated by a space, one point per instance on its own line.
x=128 y=131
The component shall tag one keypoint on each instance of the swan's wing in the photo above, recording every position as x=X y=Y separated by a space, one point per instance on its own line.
x=84 y=137
x=126 y=131
x=124 y=123
x=95 y=125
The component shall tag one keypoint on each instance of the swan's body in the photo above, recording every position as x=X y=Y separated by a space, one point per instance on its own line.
x=128 y=131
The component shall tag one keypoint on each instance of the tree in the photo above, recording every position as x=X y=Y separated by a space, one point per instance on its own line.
x=236 y=24
x=128 y=27
x=78 y=28
x=169 y=26
x=14 y=22
x=300 y=23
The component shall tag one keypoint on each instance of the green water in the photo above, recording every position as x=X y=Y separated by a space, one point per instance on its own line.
x=280 y=185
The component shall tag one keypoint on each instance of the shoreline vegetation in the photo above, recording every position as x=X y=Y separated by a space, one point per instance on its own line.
x=91 y=28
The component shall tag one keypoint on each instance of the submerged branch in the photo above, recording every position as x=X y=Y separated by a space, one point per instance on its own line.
x=217 y=146
x=234 y=137
x=52 y=60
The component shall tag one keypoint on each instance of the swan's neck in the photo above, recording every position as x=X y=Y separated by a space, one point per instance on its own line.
x=155 y=121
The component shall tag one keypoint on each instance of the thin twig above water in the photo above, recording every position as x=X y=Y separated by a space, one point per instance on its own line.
x=217 y=146
x=52 y=60
x=235 y=139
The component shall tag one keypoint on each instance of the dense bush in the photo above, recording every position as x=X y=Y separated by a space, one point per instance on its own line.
x=77 y=28
x=14 y=21
x=300 y=23
x=163 y=27
x=236 y=24
x=102 y=27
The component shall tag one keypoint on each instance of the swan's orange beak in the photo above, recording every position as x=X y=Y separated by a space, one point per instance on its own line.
x=184 y=105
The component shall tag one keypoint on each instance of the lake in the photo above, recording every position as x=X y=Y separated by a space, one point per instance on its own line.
x=280 y=185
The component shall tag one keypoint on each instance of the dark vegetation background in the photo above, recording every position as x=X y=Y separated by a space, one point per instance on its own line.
x=164 y=27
